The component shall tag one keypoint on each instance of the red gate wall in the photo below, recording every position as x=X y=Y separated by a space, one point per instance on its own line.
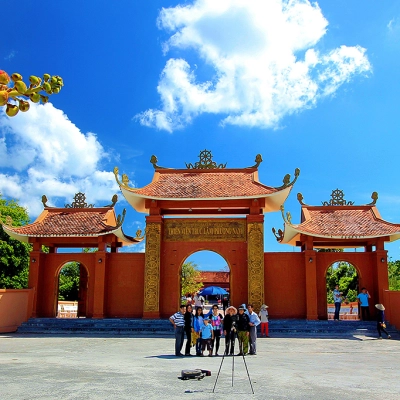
x=293 y=285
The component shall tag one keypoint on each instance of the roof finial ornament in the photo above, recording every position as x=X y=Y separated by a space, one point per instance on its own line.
x=9 y=220
x=125 y=179
x=286 y=180
x=154 y=161
x=288 y=217
x=44 y=201
x=300 y=199
x=258 y=161
x=79 y=202
x=374 y=197
x=279 y=235
x=337 y=199
x=120 y=220
x=206 y=162
x=113 y=200
x=139 y=235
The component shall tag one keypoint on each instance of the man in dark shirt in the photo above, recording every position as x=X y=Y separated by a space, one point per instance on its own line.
x=243 y=329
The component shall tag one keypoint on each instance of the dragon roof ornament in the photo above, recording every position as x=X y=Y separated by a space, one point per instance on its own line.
x=286 y=180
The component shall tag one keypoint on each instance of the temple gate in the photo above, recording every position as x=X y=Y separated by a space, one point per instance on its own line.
x=205 y=206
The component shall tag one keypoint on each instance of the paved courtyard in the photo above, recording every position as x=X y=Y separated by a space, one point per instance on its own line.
x=82 y=367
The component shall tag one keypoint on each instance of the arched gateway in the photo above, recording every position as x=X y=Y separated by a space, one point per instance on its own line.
x=206 y=207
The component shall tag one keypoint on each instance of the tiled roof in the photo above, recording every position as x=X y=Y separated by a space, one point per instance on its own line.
x=205 y=185
x=68 y=222
x=345 y=222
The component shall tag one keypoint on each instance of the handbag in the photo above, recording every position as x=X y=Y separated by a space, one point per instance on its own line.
x=383 y=325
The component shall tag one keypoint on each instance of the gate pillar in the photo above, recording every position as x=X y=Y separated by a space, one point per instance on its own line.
x=310 y=262
x=255 y=260
x=151 y=306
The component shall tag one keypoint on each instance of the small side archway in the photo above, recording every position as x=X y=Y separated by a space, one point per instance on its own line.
x=347 y=276
x=72 y=290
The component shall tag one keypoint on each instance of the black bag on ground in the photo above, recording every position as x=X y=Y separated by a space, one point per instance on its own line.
x=192 y=374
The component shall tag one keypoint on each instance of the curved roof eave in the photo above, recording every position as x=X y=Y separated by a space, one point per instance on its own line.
x=291 y=232
x=272 y=203
x=117 y=232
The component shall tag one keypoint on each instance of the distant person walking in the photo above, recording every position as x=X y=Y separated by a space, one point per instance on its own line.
x=198 y=300
x=380 y=320
x=178 y=321
x=363 y=301
x=263 y=314
x=337 y=298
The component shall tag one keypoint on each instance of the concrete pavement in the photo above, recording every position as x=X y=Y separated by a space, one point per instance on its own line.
x=90 y=367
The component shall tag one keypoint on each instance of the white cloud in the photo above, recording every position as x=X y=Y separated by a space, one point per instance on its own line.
x=264 y=59
x=43 y=152
x=394 y=25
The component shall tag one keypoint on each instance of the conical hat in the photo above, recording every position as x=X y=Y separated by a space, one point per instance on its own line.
x=380 y=307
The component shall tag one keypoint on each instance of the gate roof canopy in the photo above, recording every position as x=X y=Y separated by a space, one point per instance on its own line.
x=60 y=224
x=346 y=226
x=217 y=185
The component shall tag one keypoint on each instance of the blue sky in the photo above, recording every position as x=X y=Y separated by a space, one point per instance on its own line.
x=308 y=85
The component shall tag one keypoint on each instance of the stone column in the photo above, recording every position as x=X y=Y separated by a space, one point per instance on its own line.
x=151 y=304
x=255 y=260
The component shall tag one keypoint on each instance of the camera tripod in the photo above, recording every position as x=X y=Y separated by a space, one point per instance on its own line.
x=233 y=367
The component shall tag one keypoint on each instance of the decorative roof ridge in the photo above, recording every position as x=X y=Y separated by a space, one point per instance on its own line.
x=338 y=200
x=205 y=171
x=79 y=202
x=205 y=163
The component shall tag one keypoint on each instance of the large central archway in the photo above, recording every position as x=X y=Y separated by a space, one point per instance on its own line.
x=203 y=269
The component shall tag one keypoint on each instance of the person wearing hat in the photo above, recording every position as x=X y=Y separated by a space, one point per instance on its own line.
x=230 y=330
x=243 y=331
x=380 y=320
x=263 y=314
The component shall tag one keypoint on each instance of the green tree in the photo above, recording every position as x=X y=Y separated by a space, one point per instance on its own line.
x=344 y=275
x=394 y=275
x=68 y=287
x=190 y=278
x=14 y=255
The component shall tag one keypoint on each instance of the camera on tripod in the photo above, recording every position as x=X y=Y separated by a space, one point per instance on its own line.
x=235 y=319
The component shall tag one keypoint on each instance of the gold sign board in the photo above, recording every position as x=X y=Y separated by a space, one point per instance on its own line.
x=197 y=230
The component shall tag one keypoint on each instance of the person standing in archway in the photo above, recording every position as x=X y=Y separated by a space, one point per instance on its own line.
x=337 y=298
x=363 y=298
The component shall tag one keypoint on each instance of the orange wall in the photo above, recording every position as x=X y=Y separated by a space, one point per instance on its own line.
x=293 y=287
x=15 y=306
x=391 y=300
x=284 y=285
x=125 y=289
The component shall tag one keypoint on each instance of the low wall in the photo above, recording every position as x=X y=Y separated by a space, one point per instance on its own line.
x=15 y=308
x=392 y=304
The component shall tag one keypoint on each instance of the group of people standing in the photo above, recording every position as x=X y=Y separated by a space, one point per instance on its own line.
x=363 y=301
x=204 y=330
